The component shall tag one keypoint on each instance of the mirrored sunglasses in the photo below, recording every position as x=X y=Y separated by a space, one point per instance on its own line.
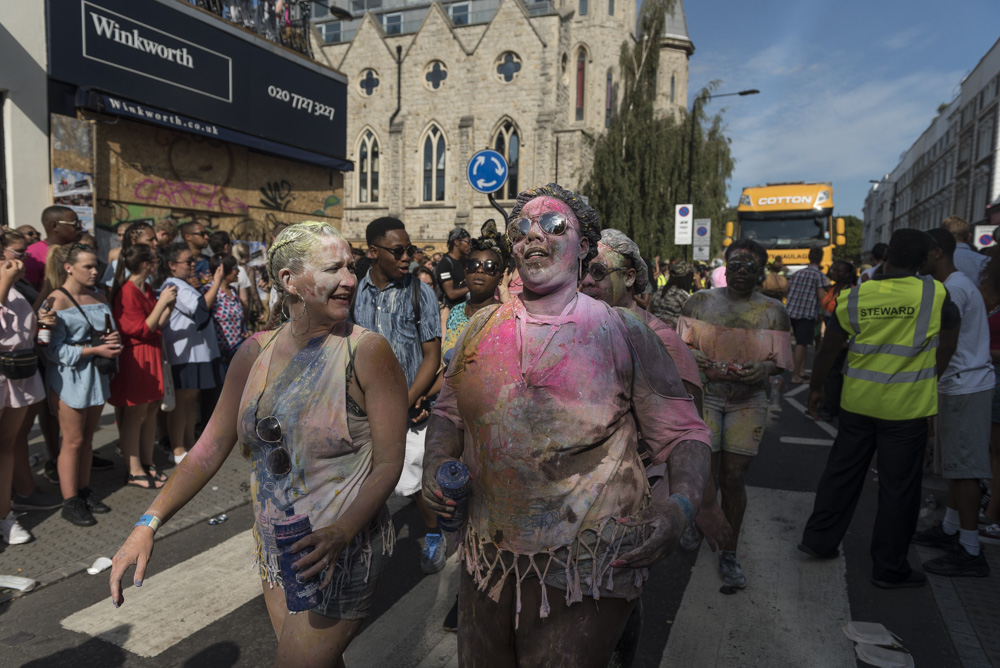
x=551 y=223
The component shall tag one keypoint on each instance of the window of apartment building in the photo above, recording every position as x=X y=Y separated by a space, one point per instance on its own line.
x=434 y=74
x=368 y=82
x=985 y=144
x=508 y=65
x=361 y=6
x=368 y=168
x=393 y=23
x=508 y=144
x=673 y=88
x=330 y=31
x=434 y=163
x=609 y=99
x=459 y=13
x=583 y=7
x=581 y=81
x=611 y=7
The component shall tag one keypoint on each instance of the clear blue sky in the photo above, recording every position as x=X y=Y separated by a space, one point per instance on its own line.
x=846 y=86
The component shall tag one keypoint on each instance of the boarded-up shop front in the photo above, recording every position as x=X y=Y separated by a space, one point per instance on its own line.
x=211 y=134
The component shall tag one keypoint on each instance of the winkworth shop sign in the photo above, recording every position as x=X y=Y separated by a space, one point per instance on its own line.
x=172 y=56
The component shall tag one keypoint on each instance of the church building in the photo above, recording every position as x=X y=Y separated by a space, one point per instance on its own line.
x=433 y=83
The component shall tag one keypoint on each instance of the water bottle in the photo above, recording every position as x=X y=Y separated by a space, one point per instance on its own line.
x=299 y=596
x=453 y=479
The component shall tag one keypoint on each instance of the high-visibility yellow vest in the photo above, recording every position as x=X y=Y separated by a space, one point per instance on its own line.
x=891 y=360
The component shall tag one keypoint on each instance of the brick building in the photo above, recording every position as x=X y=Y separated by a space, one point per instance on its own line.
x=533 y=80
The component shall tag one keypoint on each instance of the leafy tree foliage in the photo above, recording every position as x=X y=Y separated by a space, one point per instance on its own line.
x=852 y=250
x=640 y=168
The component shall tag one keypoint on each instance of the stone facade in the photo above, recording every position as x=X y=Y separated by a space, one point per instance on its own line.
x=468 y=108
x=951 y=169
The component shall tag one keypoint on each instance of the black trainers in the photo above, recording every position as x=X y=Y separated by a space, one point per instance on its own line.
x=935 y=537
x=451 y=619
x=94 y=505
x=100 y=463
x=75 y=511
x=51 y=471
x=914 y=579
x=959 y=563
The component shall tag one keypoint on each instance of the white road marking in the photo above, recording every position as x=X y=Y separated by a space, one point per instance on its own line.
x=412 y=628
x=795 y=440
x=799 y=389
x=828 y=428
x=173 y=604
x=791 y=612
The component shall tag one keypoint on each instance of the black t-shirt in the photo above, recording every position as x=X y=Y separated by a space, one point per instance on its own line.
x=450 y=269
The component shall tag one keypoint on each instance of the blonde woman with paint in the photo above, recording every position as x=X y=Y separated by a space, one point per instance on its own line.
x=318 y=406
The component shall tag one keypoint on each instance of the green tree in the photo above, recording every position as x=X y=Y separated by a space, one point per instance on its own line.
x=641 y=163
x=851 y=251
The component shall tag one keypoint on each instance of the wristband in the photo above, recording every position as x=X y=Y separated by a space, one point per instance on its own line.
x=685 y=506
x=154 y=522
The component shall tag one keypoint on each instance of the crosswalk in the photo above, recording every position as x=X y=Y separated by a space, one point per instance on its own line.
x=789 y=615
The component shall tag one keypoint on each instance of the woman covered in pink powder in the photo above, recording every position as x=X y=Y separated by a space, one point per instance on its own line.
x=318 y=406
x=542 y=401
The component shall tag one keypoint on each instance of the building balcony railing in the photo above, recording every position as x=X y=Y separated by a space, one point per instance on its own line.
x=285 y=22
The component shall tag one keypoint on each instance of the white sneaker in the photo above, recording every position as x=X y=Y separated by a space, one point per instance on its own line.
x=13 y=533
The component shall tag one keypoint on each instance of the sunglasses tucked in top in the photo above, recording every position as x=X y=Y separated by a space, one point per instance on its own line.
x=278 y=462
x=551 y=223
x=399 y=251
x=490 y=267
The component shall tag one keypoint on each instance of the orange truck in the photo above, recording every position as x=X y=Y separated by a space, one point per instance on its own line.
x=788 y=219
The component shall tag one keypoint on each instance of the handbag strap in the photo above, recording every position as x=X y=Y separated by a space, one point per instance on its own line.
x=80 y=309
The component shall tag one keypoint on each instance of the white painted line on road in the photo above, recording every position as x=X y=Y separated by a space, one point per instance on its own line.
x=412 y=629
x=795 y=440
x=792 y=610
x=175 y=603
x=805 y=411
x=799 y=389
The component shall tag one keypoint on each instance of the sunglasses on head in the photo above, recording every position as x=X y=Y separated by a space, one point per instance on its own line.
x=551 y=223
x=599 y=272
x=278 y=461
x=399 y=251
x=489 y=267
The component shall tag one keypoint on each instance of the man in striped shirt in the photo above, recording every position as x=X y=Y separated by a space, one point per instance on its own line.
x=805 y=290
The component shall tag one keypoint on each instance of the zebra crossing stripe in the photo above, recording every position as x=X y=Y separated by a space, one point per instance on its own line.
x=792 y=610
x=413 y=627
x=173 y=604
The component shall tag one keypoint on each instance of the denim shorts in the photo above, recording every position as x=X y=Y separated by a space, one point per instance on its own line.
x=736 y=416
x=350 y=596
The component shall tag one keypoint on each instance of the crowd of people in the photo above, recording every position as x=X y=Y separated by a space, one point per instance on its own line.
x=607 y=408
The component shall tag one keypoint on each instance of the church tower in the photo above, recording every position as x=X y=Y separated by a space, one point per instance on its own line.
x=676 y=48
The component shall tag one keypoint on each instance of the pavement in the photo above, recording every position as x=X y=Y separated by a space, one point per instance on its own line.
x=61 y=549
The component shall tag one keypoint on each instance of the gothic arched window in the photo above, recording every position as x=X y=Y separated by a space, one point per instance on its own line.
x=508 y=144
x=434 y=162
x=368 y=167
